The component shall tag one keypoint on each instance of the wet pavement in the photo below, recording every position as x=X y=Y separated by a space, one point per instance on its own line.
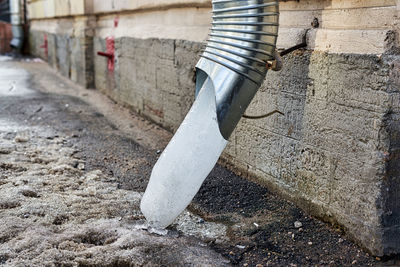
x=73 y=168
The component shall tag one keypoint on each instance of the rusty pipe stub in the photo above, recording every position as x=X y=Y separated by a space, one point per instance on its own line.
x=110 y=53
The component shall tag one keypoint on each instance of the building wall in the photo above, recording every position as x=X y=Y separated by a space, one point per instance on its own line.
x=335 y=149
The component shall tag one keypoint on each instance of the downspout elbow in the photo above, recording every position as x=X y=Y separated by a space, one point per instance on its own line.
x=241 y=43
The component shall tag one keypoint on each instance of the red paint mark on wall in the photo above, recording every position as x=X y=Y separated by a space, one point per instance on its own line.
x=116 y=21
x=110 y=46
x=45 y=46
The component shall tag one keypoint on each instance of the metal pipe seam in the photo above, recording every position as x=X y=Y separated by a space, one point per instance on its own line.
x=241 y=42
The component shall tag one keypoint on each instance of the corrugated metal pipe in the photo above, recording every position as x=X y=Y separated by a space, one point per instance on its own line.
x=16 y=24
x=231 y=70
x=242 y=41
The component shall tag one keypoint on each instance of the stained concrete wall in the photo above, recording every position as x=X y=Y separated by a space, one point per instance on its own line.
x=67 y=45
x=335 y=152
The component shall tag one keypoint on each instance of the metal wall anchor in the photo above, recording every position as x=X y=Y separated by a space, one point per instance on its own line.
x=276 y=65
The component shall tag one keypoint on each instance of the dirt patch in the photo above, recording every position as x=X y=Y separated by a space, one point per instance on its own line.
x=265 y=229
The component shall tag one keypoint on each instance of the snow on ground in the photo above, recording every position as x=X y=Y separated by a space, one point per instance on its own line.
x=54 y=213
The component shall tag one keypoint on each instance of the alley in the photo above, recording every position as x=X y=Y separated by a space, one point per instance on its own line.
x=73 y=166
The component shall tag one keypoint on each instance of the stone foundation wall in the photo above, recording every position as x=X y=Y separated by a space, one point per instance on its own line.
x=68 y=48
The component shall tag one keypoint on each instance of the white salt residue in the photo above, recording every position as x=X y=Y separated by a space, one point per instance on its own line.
x=5 y=58
x=185 y=163
x=193 y=225
x=14 y=81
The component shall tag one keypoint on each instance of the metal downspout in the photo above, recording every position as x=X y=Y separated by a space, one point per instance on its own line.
x=242 y=39
x=231 y=70
x=16 y=24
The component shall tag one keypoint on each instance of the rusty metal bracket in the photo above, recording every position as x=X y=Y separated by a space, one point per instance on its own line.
x=276 y=65
x=105 y=54
x=303 y=44
x=110 y=53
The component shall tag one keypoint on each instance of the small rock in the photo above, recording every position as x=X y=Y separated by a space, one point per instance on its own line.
x=298 y=224
x=81 y=166
x=21 y=138
x=310 y=243
x=91 y=191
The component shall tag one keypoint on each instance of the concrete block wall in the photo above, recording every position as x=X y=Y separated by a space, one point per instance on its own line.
x=155 y=77
x=67 y=45
x=335 y=151
x=331 y=149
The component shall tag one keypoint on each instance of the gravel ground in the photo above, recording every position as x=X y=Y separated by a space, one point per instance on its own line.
x=71 y=183
x=57 y=212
